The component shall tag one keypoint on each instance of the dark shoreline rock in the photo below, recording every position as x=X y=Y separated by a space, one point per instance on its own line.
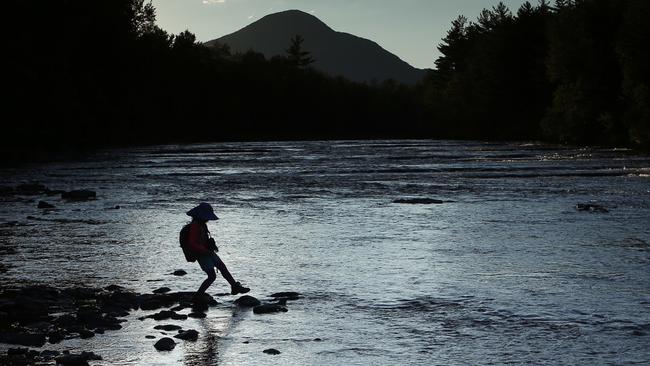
x=35 y=314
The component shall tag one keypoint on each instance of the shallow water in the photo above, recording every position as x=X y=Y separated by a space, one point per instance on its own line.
x=505 y=271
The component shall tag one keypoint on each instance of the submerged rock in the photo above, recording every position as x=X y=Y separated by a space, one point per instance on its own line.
x=161 y=290
x=197 y=315
x=271 y=351
x=188 y=335
x=43 y=204
x=167 y=314
x=179 y=272
x=247 y=301
x=289 y=295
x=79 y=195
x=419 y=201
x=269 y=308
x=591 y=207
x=165 y=344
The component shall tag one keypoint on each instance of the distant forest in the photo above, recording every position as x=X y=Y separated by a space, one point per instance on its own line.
x=83 y=74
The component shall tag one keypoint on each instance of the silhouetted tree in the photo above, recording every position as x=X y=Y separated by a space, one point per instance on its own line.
x=297 y=55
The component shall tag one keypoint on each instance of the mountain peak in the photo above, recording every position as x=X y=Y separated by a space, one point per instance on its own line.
x=336 y=53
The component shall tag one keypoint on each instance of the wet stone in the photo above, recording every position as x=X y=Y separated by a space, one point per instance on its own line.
x=165 y=344
x=271 y=351
x=247 y=301
x=188 y=335
x=166 y=314
x=161 y=290
x=168 y=327
x=150 y=337
x=197 y=315
x=289 y=295
x=179 y=272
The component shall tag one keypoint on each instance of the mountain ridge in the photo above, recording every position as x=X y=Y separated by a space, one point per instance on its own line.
x=336 y=53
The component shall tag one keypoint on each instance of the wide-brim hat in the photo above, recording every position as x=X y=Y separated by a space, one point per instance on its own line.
x=203 y=212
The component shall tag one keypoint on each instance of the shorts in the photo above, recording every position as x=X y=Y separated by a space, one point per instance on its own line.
x=209 y=261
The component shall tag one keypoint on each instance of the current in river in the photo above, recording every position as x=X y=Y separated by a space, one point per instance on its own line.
x=503 y=270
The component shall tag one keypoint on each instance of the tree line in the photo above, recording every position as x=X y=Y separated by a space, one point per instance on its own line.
x=575 y=71
x=83 y=74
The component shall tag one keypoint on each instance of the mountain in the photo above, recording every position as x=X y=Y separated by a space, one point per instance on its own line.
x=336 y=53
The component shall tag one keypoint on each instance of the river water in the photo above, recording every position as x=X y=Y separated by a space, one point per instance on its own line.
x=506 y=270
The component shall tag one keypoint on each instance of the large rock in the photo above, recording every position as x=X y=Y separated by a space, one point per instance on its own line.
x=247 y=301
x=165 y=344
x=79 y=195
x=188 y=335
x=269 y=308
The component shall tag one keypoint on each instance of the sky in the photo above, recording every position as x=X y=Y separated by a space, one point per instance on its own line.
x=411 y=29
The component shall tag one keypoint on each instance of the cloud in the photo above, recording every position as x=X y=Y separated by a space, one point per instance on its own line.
x=211 y=2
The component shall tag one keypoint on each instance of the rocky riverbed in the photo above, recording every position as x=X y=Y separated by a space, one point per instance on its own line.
x=35 y=317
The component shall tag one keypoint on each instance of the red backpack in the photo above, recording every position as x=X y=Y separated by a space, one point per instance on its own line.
x=183 y=239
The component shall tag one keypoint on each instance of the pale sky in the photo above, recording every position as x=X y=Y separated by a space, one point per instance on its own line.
x=411 y=29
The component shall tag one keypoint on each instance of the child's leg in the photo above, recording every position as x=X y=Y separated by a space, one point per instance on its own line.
x=224 y=271
x=208 y=281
